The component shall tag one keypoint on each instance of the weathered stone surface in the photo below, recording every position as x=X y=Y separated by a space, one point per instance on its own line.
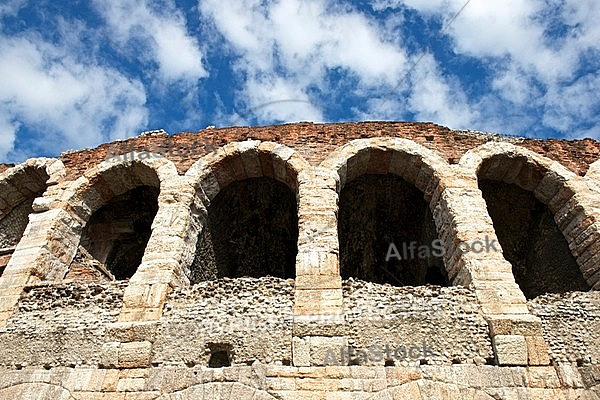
x=310 y=284
x=510 y=349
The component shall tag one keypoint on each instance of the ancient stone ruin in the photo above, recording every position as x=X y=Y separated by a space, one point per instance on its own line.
x=304 y=261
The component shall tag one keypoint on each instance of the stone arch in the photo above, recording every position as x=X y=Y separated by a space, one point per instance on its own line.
x=394 y=167
x=250 y=172
x=561 y=215
x=427 y=389
x=19 y=187
x=40 y=391
x=592 y=176
x=127 y=190
x=218 y=391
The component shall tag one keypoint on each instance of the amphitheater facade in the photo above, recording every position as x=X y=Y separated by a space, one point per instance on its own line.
x=374 y=260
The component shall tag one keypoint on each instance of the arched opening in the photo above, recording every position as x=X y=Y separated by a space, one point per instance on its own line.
x=251 y=230
x=17 y=194
x=531 y=241
x=114 y=239
x=387 y=233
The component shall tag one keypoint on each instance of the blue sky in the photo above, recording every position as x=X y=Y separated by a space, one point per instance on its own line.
x=79 y=73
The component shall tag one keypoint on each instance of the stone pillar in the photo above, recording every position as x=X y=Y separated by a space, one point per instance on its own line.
x=318 y=317
x=463 y=221
x=48 y=245
x=171 y=246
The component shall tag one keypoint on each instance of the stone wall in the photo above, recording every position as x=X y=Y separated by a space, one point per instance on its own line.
x=570 y=323
x=447 y=320
x=242 y=292
x=60 y=325
x=250 y=318
x=315 y=141
x=260 y=382
x=14 y=223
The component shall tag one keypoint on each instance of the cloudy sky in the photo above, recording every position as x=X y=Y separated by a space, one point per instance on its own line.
x=76 y=74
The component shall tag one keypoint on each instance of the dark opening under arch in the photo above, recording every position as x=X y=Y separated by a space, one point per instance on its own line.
x=531 y=241
x=115 y=238
x=252 y=230
x=378 y=211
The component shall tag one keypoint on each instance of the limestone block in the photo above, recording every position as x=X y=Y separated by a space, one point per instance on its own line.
x=510 y=349
x=569 y=376
x=524 y=325
x=321 y=347
x=131 y=385
x=318 y=282
x=319 y=298
x=41 y=204
x=537 y=350
x=250 y=160
x=132 y=331
x=110 y=354
x=135 y=354
x=548 y=187
x=408 y=391
x=324 y=324
x=543 y=377
x=359 y=161
x=301 y=352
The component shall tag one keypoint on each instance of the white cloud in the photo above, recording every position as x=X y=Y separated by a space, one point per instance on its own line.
x=287 y=49
x=291 y=104
x=7 y=134
x=438 y=99
x=533 y=51
x=11 y=7
x=568 y=105
x=176 y=52
x=64 y=102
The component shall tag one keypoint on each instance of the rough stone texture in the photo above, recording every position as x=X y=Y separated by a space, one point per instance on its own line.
x=448 y=320
x=570 y=324
x=13 y=225
x=253 y=316
x=60 y=325
x=260 y=382
x=172 y=329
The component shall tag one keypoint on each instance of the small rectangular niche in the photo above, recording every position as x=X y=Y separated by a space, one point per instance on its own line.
x=220 y=355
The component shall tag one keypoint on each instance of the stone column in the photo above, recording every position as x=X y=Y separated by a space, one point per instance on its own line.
x=44 y=252
x=318 y=314
x=463 y=221
x=170 y=247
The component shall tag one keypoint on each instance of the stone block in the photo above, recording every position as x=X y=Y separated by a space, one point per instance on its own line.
x=135 y=354
x=324 y=324
x=524 y=325
x=311 y=301
x=110 y=355
x=131 y=385
x=322 y=348
x=132 y=331
x=301 y=352
x=543 y=377
x=537 y=350
x=318 y=282
x=510 y=349
x=569 y=376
